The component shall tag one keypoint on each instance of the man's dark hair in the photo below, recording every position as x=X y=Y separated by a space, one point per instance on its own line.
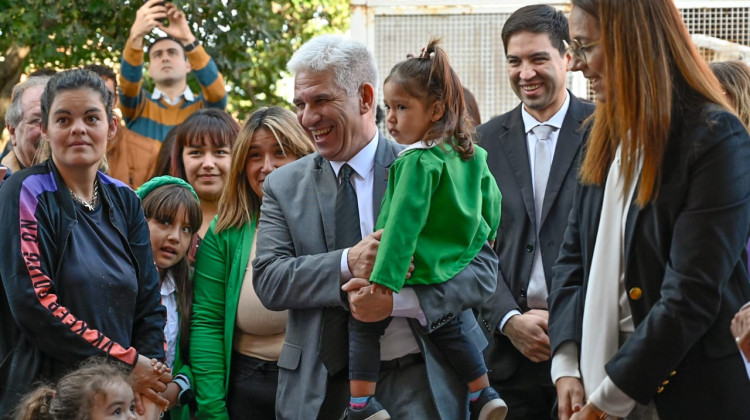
x=103 y=71
x=538 y=18
x=165 y=38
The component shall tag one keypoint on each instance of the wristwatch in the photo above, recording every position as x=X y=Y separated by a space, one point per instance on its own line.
x=191 y=46
x=186 y=394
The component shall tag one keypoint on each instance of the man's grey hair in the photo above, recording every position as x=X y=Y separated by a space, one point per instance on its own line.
x=14 y=113
x=351 y=62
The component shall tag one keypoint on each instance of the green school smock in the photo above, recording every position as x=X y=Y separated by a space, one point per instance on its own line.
x=439 y=209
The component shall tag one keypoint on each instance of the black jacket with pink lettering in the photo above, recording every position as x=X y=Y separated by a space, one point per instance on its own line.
x=40 y=339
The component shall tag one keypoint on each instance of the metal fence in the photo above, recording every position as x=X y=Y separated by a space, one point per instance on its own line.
x=470 y=30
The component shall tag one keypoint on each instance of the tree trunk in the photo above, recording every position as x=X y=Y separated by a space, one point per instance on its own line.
x=10 y=73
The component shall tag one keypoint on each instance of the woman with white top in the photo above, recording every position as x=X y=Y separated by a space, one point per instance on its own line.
x=652 y=267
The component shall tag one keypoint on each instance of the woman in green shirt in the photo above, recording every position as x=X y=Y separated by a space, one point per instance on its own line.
x=235 y=342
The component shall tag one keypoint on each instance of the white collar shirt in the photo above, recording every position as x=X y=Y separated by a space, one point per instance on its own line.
x=530 y=122
x=187 y=94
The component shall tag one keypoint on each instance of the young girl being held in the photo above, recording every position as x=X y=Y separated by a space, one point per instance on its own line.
x=441 y=206
x=173 y=212
x=99 y=390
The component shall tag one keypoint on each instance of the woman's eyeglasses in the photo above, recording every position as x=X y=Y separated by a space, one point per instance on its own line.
x=578 y=50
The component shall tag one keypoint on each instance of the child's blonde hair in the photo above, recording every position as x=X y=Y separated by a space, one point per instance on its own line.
x=74 y=394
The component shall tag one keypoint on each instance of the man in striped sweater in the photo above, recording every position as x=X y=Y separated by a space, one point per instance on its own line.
x=171 y=59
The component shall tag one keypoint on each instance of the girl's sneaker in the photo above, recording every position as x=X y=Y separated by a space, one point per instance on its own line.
x=488 y=406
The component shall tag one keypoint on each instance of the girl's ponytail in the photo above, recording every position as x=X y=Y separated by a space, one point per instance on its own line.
x=429 y=76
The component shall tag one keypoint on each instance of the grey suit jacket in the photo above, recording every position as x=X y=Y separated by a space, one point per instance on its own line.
x=298 y=269
x=508 y=159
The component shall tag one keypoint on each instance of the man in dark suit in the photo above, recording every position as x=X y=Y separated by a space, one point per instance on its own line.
x=302 y=262
x=533 y=152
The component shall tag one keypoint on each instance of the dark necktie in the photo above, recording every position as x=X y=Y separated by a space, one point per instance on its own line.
x=346 y=211
x=334 y=338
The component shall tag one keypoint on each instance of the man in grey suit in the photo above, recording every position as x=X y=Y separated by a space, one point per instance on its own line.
x=300 y=268
x=536 y=170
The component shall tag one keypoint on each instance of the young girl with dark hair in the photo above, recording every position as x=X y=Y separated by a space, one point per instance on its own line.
x=442 y=204
x=173 y=212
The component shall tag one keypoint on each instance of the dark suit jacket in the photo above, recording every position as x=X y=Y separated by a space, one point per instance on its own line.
x=298 y=268
x=686 y=253
x=508 y=159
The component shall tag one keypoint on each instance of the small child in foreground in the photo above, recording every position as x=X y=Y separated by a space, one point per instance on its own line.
x=98 y=390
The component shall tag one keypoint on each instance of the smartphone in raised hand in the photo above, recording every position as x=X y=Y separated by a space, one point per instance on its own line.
x=164 y=21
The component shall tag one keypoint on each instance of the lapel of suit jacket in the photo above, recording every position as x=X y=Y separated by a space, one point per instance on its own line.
x=385 y=154
x=324 y=181
x=632 y=219
x=568 y=142
x=513 y=140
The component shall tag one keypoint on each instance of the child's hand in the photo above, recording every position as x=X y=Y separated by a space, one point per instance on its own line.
x=160 y=367
x=149 y=382
x=374 y=288
x=162 y=370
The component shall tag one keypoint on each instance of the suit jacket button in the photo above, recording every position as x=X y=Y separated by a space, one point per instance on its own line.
x=674 y=372
x=523 y=292
x=660 y=390
x=635 y=293
x=529 y=248
x=665 y=382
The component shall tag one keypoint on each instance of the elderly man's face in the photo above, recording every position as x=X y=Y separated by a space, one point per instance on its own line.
x=26 y=135
x=333 y=119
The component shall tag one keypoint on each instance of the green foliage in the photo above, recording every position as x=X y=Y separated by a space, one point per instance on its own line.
x=251 y=40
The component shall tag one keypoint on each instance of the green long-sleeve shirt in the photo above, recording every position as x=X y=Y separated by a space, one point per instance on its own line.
x=439 y=209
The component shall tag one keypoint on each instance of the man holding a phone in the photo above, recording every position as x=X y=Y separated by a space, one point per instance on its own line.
x=171 y=58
